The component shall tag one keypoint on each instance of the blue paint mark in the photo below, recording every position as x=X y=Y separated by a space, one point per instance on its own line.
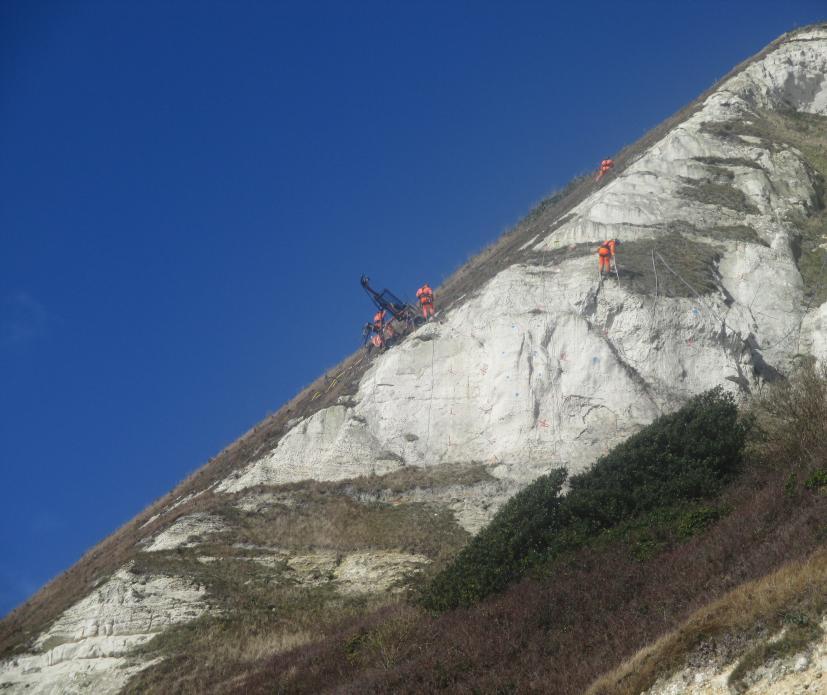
x=696 y=312
x=595 y=360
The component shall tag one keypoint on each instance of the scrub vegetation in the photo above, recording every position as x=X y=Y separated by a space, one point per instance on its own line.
x=723 y=195
x=692 y=259
x=697 y=540
x=679 y=459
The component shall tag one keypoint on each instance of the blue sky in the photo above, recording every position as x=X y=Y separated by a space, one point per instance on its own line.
x=189 y=192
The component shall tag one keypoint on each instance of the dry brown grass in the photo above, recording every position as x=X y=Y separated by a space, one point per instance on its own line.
x=792 y=416
x=341 y=523
x=402 y=480
x=759 y=602
x=600 y=606
x=722 y=195
x=209 y=654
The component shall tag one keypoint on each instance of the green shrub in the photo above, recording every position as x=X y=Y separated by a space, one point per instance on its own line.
x=687 y=455
x=683 y=457
x=697 y=520
x=501 y=551
x=817 y=480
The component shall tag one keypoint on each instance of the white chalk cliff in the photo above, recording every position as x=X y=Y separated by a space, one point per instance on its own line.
x=542 y=365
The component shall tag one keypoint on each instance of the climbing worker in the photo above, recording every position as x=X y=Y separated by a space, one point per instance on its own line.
x=388 y=336
x=372 y=337
x=376 y=342
x=605 y=166
x=379 y=320
x=605 y=256
x=425 y=295
x=367 y=333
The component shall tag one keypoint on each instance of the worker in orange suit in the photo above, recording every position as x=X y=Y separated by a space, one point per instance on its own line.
x=379 y=320
x=605 y=167
x=605 y=255
x=425 y=295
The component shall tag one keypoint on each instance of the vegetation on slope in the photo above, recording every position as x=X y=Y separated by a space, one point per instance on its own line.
x=259 y=606
x=587 y=609
x=793 y=446
x=680 y=458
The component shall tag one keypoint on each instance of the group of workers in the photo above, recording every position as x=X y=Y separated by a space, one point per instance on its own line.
x=379 y=333
x=606 y=251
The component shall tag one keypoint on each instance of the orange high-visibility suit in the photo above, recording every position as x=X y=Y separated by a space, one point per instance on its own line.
x=605 y=254
x=379 y=320
x=605 y=166
x=425 y=295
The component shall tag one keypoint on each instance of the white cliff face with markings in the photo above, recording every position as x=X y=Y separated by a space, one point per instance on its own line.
x=541 y=366
x=544 y=366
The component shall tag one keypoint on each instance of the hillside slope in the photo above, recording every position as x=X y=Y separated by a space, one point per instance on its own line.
x=713 y=550
x=533 y=363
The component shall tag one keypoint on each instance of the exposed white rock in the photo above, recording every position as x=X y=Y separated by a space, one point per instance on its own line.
x=794 y=75
x=187 y=532
x=313 y=568
x=256 y=502
x=473 y=506
x=150 y=520
x=814 y=334
x=376 y=571
x=368 y=571
x=86 y=650
x=803 y=672
x=543 y=367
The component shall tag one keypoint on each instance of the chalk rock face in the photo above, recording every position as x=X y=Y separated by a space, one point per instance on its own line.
x=87 y=649
x=794 y=76
x=368 y=572
x=186 y=532
x=545 y=366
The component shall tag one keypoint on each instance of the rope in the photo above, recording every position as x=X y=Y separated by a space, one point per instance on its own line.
x=656 y=272
x=431 y=397
x=693 y=290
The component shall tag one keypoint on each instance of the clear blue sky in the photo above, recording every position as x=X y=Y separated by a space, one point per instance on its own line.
x=189 y=192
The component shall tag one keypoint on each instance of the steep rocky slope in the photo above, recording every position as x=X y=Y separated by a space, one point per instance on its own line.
x=533 y=363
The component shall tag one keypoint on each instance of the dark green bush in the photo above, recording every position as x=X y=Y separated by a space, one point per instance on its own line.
x=683 y=456
x=501 y=551
x=686 y=456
